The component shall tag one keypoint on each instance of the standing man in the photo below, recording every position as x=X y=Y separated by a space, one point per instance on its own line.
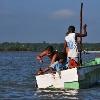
x=70 y=44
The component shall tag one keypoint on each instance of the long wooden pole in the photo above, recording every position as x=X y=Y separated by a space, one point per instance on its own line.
x=81 y=24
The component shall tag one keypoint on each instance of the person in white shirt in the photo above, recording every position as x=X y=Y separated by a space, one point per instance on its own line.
x=70 y=44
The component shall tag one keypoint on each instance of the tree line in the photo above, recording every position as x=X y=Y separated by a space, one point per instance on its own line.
x=37 y=47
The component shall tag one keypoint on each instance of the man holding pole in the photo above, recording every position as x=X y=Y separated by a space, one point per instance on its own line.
x=70 y=44
x=73 y=41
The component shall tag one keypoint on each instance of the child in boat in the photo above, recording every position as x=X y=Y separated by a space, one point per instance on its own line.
x=57 y=59
x=70 y=44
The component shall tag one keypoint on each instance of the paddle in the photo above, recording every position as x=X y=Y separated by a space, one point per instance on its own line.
x=80 y=42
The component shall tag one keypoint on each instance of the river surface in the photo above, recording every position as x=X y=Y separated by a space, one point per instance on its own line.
x=17 y=79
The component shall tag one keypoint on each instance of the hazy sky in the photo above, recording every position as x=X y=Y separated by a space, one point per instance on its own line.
x=46 y=20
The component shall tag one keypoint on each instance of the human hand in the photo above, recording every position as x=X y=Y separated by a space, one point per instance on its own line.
x=84 y=26
x=39 y=58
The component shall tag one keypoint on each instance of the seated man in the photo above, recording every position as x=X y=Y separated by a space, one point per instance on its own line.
x=57 y=59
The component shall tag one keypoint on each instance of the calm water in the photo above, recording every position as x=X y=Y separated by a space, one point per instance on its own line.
x=17 y=81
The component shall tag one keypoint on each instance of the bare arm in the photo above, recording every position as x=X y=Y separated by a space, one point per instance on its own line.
x=65 y=45
x=41 y=55
x=53 y=59
x=66 y=49
x=84 y=31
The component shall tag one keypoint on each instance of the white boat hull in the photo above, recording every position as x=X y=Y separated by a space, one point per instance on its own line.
x=74 y=78
x=56 y=80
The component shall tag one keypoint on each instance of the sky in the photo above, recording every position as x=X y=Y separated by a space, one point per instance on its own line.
x=35 y=21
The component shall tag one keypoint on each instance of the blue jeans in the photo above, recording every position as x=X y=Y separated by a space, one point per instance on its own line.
x=57 y=66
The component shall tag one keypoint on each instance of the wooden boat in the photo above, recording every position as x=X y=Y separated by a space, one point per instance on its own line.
x=82 y=77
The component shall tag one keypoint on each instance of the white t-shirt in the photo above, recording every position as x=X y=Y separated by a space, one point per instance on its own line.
x=71 y=43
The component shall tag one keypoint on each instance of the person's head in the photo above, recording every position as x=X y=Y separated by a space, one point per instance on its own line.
x=71 y=29
x=49 y=49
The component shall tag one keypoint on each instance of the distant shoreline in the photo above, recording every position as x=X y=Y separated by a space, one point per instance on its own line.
x=37 y=47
